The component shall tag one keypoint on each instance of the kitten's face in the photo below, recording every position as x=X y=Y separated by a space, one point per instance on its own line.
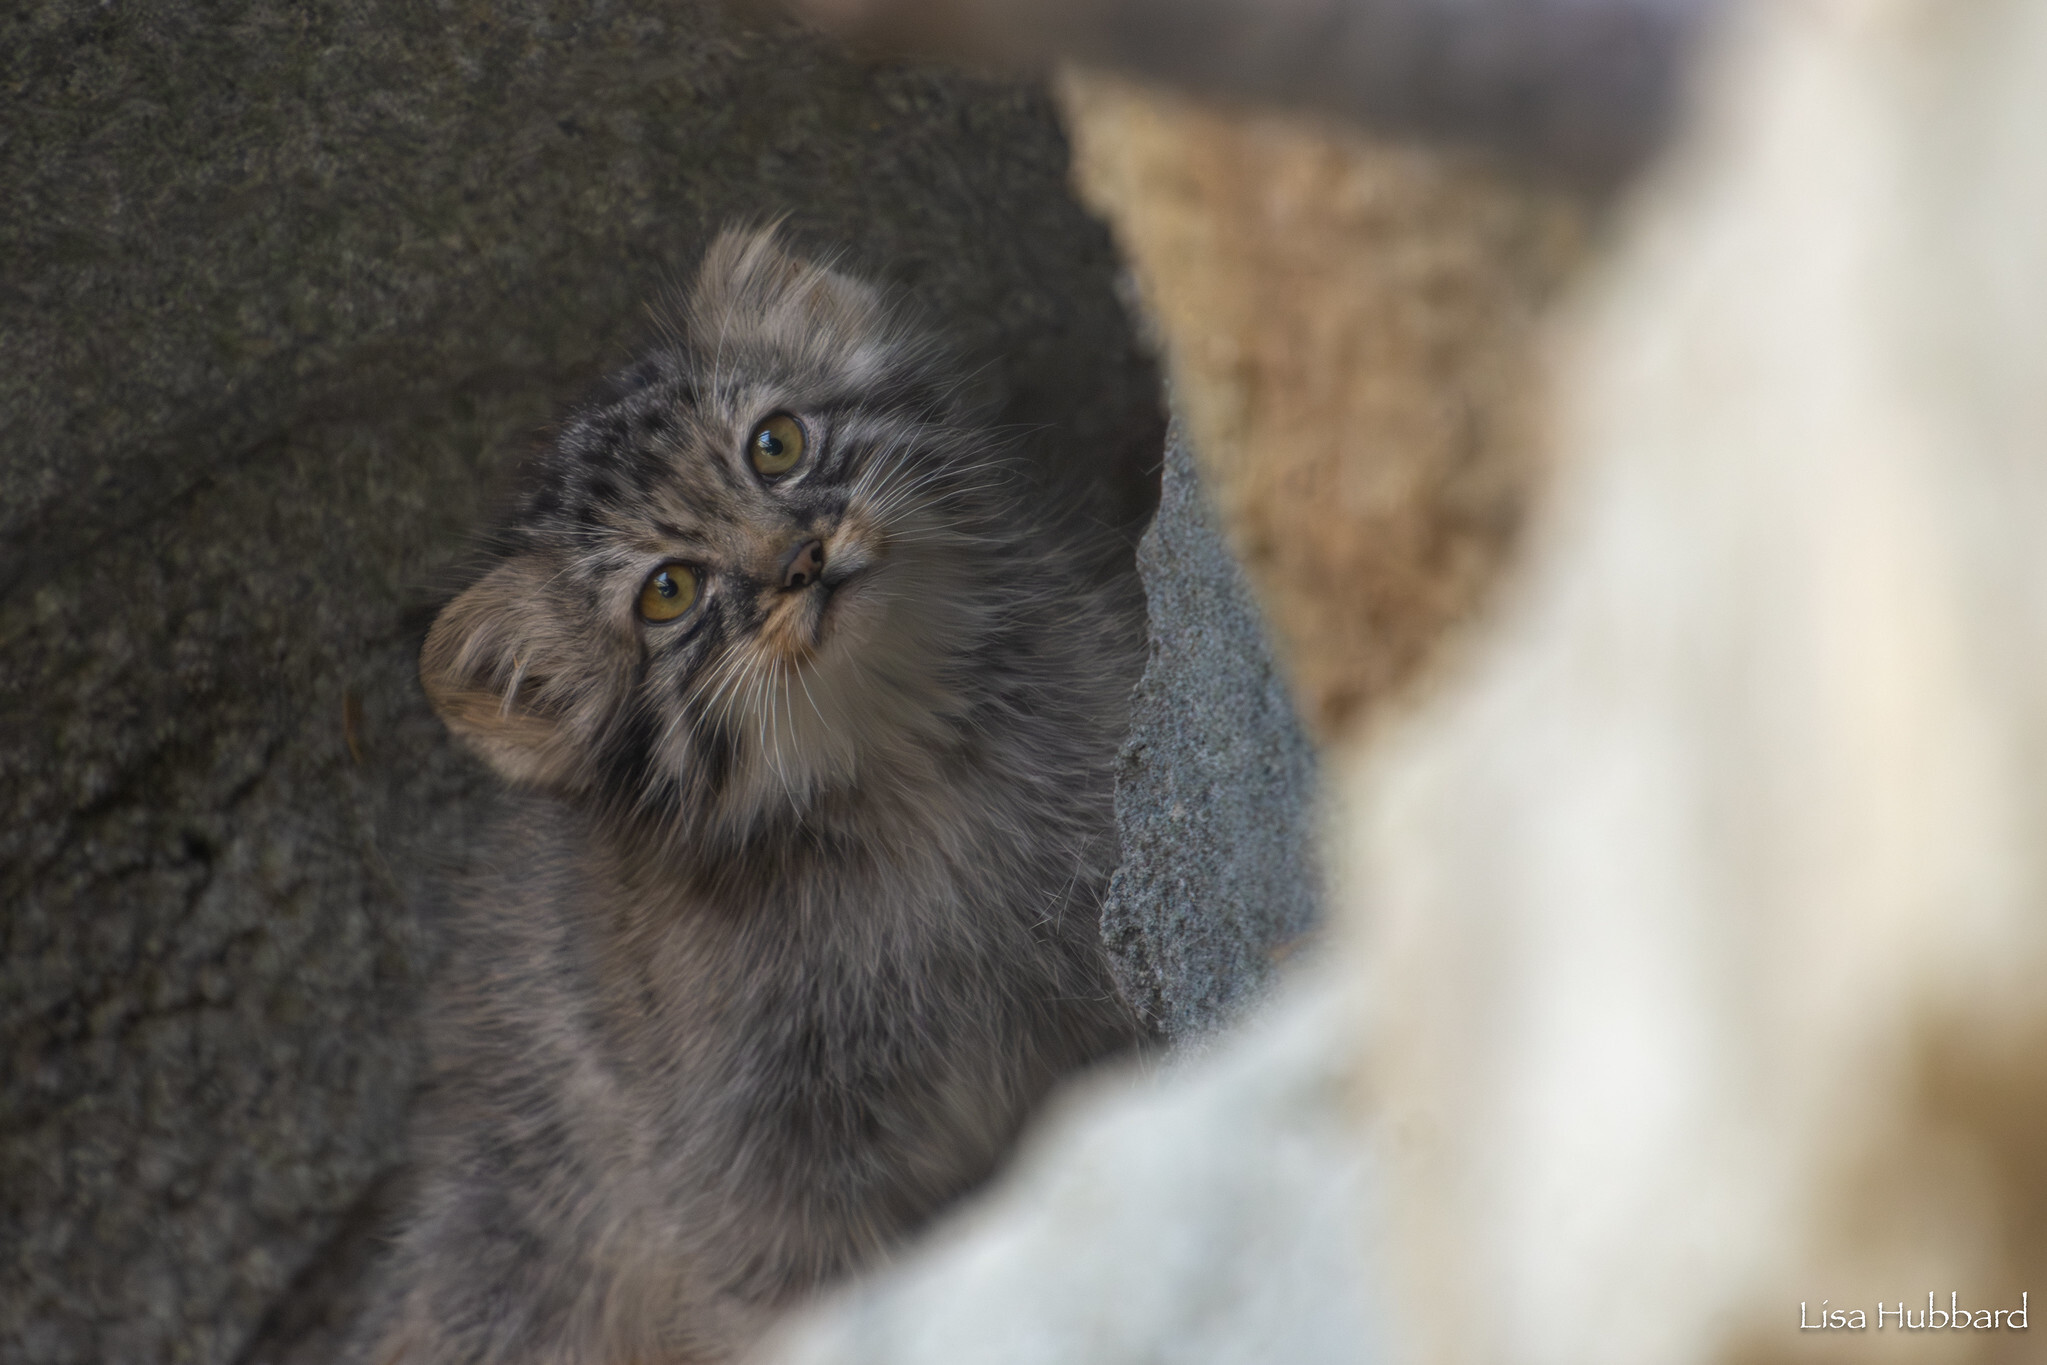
x=747 y=577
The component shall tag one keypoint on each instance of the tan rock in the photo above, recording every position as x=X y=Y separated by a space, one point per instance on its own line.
x=1349 y=323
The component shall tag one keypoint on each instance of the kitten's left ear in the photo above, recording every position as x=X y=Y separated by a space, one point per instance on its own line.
x=510 y=668
x=750 y=289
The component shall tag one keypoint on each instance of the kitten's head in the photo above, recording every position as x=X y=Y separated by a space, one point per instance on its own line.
x=753 y=572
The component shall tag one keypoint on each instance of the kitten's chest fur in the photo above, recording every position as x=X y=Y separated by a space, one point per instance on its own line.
x=767 y=1072
x=809 y=708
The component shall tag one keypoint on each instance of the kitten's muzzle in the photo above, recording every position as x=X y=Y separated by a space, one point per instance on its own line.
x=803 y=564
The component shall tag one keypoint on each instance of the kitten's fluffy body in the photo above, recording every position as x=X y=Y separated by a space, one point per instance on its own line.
x=796 y=914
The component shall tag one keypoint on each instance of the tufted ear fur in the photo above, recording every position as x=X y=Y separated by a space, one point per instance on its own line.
x=751 y=290
x=510 y=670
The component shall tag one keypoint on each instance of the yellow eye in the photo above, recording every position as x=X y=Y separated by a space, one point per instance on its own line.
x=671 y=591
x=776 y=445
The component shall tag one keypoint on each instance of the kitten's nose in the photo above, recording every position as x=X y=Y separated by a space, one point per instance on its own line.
x=803 y=563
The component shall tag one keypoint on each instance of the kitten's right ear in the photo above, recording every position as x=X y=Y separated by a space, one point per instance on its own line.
x=503 y=669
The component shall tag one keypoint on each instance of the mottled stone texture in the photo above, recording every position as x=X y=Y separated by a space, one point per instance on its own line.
x=283 y=286
x=1215 y=789
x=211 y=896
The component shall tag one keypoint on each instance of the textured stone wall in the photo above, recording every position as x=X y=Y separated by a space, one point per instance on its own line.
x=282 y=288
x=1215 y=792
x=1351 y=323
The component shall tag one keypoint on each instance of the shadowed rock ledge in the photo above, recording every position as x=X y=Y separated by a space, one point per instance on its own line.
x=284 y=289
x=1216 y=785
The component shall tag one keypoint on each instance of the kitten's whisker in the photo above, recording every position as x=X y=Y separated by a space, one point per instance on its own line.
x=974 y=525
x=715 y=680
x=879 y=465
x=756 y=682
x=772 y=728
x=875 y=477
x=743 y=680
x=764 y=711
x=786 y=669
x=939 y=468
x=730 y=672
x=963 y=377
x=1065 y=896
x=704 y=694
x=891 y=496
x=804 y=683
x=927 y=518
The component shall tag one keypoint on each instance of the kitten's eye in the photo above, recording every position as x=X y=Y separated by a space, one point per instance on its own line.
x=776 y=445
x=671 y=591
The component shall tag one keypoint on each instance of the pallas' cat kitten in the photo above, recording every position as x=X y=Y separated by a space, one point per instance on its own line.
x=812 y=720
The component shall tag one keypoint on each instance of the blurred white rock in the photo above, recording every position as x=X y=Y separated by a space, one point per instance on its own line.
x=1218 y=1211
x=1689 y=936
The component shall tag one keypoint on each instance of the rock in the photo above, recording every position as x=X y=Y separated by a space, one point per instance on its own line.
x=1350 y=324
x=1705 y=920
x=1215 y=787
x=285 y=288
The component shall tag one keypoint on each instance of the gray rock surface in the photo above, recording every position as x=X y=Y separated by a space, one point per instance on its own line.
x=282 y=288
x=1215 y=788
